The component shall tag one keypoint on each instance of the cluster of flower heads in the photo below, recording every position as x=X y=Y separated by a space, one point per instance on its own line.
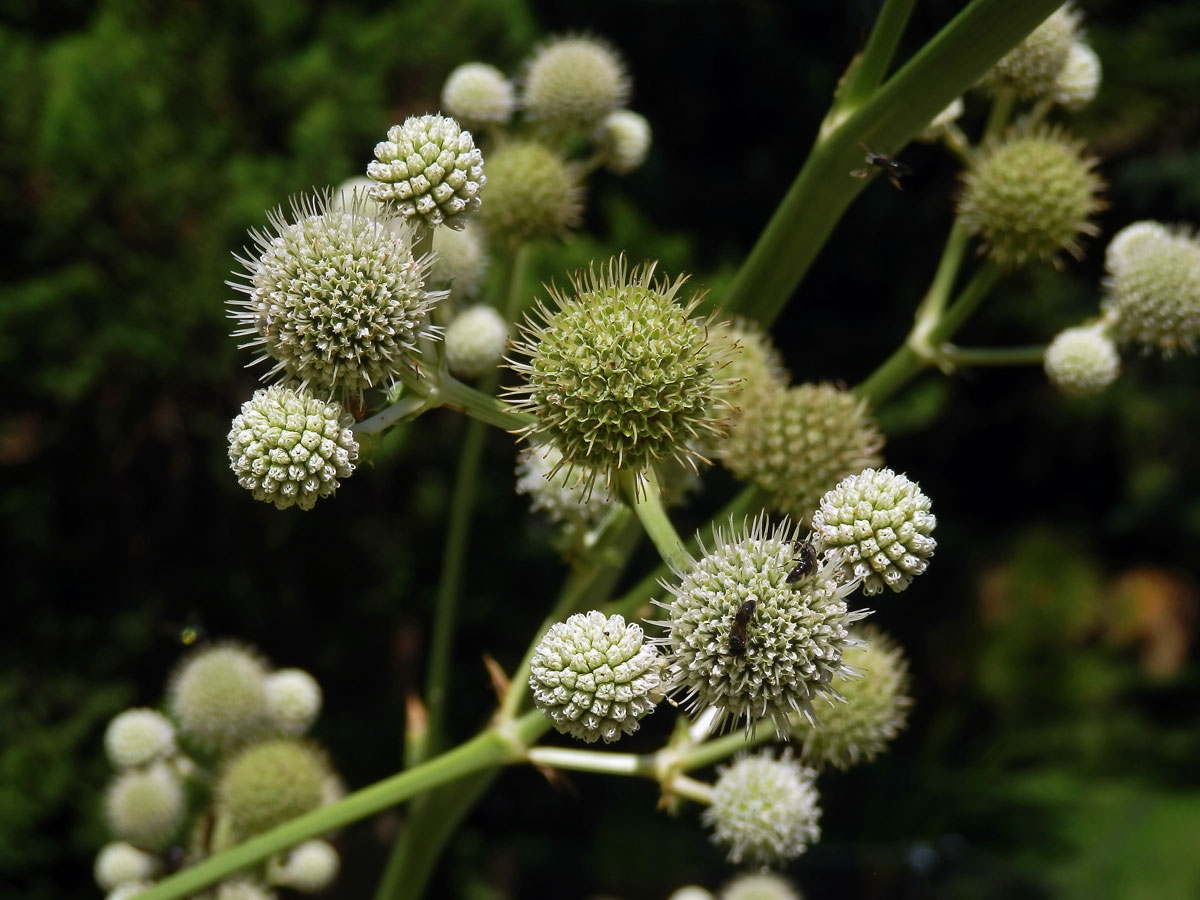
x=234 y=727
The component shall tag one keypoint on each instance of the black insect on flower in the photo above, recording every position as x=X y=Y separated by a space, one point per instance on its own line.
x=737 y=629
x=806 y=562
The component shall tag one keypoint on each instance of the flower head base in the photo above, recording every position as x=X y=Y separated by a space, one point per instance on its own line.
x=617 y=373
x=882 y=524
x=1082 y=361
x=795 y=443
x=595 y=677
x=875 y=708
x=1152 y=291
x=764 y=809
x=532 y=194
x=478 y=94
x=793 y=635
x=1031 y=196
x=574 y=81
x=289 y=448
x=1079 y=80
x=552 y=491
x=1032 y=67
x=337 y=299
x=428 y=170
x=624 y=140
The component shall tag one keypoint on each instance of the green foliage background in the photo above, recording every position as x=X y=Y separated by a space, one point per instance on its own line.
x=139 y=142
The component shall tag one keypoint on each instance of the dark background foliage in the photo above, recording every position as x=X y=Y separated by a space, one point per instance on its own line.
x=1054 y=744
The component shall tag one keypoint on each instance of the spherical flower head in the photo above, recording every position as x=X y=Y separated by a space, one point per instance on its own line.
x=1152 y=291
x=881 y=523
x=617 y=373
x=1079 y=80
x=289 y=448
x=595 y=677
x=459 y=259
x=478 y=94
x=129 y=890
x=759 y=886
x=1082 y=361
x=219 y=695
x=1033 y=66
x=792 y=636
x=244 y=889
x=337 y=299
x=755 y=364
x=624 y=140
x=874 y=710
x=309 y=867
x=532 y=194
x=475 y=341
x=691 y=892
x=428 y=170
x=120 y=863
x=293 y=700
x=269 y=783
x=145 y=806
x=574 y=82
x=1030 y=196
x=765 y=809
x=137 y=737
x=555 y=490
x=795 y=443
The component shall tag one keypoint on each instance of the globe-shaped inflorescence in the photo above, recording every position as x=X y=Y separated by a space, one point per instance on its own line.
x=745 y=642
x=293 y=700
x=880 y=521
x=137 y=737
x=617 y=373
x=873 y=710
x=218 y=695
x=796 y=443
x=623 y=140
x=460 y=259
x=1032 y=68
x=478 y=95
x=554 y=492
x=336 y=299
x=765 y=810
x=1079 y=80
x=429 y=171
x=309 y=867
x=574 y=82
x=532 y=194
x=1082 y=360
x=1152 y=289
x=146 y=806
x=269 y=783
x=121 y=863
x=289 y=448
x=595 y=676
x=1030 y=196
x=475 y=341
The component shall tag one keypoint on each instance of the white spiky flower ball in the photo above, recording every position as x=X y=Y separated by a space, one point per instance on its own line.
x=478 y=95
x=336 y=299
x=624 y=140
x=475 y=341
x=293 y=700
x=120 y=863
x=1079 y=81
x=137 y=737
x=1082 y=360
x=309 y=867
x=881 y=524
x=145 y=806
x=218 y=695
x=574 y=81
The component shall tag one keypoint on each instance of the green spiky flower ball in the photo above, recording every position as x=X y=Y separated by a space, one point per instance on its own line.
x=872 y=711
x=1030 y=196
x=532 y=194
x=1152 y=290
x=219 y=695
x=595 y=676
x=796 y=443
x=617 y=373
x=794 y=634
x=881 y=524
x=765 y=810
x=429 y=171
x=574 y=82
x=269 y=783
x=1032 y=68
x=289 y=448
x=336 y=299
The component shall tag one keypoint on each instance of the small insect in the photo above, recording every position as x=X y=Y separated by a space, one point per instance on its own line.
x=737 y=629
x=806 y=562
x=893 y=169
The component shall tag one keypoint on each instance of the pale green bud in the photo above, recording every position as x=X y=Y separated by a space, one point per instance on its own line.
x=309 y=867
x=475 y=341
x=1079 y=80
x=624 y=140
x=219 y=695
x=120 y=863
x=145 y=806
x=137 y=737
x=478 y=94
x=294 y=700
x=1152 y=292
x=1081 y=361
x=269 y=783
x=532 y=194
x=574 y=81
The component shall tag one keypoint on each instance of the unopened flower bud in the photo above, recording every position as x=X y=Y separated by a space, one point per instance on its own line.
x=1081 y=361
x=219 y=695
x=145 y=806
x=624 y=139
x=137 y=737
x=475 y=341
x=478 y=94
x=574 y=81
x=269 y=783
x=293 y=700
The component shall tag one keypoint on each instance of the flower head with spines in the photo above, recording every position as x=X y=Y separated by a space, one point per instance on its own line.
x=1082 y=360
x=336 y=298
x=428 y=171
x=573 y=81
x=479 y=95
x=617 y=373
x=794 y=634
x=1033 y=67
x=881 y=525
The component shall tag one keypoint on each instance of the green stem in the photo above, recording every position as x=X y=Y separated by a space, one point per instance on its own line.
x=717 y=749
x=602 y=761
x=934 y=303
x=453 y=394
x=643 y=494
x=491 y=748
x=406 y=408
x=966 y=357
x=998 y=115
x=868 y=69
x=951 y=62
x=516 y=267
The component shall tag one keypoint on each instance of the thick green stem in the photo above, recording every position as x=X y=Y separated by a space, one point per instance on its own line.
x=492 y=410
x=950 y=63
x=491 y=748
x=643 y=494
x=867 y=71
